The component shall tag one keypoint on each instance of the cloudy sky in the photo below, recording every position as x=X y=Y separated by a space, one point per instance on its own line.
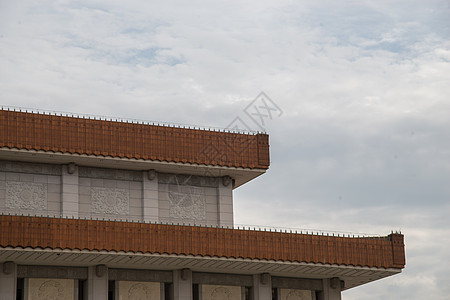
x=360 y=141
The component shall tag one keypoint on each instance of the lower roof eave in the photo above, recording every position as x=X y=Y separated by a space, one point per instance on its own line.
x=351 y=275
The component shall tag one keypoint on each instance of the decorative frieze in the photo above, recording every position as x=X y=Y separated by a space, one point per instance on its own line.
x=110 y=201
x=110 y=174
x=31 y=168
x=24 y=271
x=187 y=202
x=139 y=275
x=26 y=195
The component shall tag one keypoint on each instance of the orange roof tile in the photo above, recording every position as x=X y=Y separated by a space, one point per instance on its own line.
x=45 y=232
x=34 y=131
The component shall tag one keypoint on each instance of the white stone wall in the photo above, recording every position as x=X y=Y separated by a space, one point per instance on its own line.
x=188 y=199
x=133 y=290
x=86 y=192
x=190 y=204
x=221 y=292
x=110 y=199
x=292 y=294
x=110 y=194
x=50 y=289
x=33 y=189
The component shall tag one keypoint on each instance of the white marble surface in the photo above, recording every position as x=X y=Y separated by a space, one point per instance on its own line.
x=50 y=289
x=221 y=292
x=136 y=290
x=290 y=294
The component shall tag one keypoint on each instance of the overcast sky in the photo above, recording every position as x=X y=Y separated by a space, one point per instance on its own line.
x=360 y=138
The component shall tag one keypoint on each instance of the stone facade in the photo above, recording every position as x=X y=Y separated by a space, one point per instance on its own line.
x=26 y=196
x=50 y=289
x=188 y=199
x=69 y=190
x=292 y=294
x=139 y=290
x=29 y=188
x=114 y=194
x=221 y=292
x=76 y=168
x=97 y=282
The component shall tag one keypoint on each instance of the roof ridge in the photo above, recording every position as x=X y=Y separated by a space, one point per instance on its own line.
x=128 y=120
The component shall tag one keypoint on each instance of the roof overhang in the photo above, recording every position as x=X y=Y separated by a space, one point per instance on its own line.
x=351 y=275
x=240 y=175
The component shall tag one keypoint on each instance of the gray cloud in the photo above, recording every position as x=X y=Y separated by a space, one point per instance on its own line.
x=362 y=145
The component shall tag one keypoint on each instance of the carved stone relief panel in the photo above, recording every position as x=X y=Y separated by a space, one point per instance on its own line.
x=110 y=201
x=187 y=202
x=50 y=289
x=26 y=195
x=221 y=292
x=135 y=290
x=290 y=294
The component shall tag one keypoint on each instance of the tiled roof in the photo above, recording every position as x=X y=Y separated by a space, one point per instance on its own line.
x=77 y=135
x=61 y=233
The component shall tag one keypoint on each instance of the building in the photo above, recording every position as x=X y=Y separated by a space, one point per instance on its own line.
x=102 y=209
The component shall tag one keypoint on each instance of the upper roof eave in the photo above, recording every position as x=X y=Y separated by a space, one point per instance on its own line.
x=239 y=174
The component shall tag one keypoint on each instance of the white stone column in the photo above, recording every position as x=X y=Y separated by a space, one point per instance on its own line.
x=150 y=208
x=69 y=191
x=8 y=280
x=182 y=284
x=97 y=283
x=331 y=289
x=162 y=291
x=262 y=287
x=225 y=202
